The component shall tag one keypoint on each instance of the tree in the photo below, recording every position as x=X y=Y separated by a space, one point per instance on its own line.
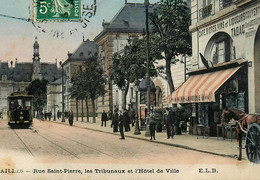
x=170 y=31
x=77 y=91
x=38 y=88
x=93 y=81
x=130 y=65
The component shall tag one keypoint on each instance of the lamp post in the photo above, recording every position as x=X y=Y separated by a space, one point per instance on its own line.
x=54 y=119
x=146 y=4
x=62 y=91
x=137 y=129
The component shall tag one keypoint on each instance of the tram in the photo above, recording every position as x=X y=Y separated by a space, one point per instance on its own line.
x=20 y=110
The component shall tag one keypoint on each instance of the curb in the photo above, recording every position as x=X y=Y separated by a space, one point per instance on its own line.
x=158 y=142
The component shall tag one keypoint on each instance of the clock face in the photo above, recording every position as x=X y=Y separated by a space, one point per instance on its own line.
x=36 y=58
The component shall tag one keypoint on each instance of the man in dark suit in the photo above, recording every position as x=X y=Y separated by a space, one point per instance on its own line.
x=152 y=124
x=167 y=119
x=115 y=121
x=126 y=120
x=121 y=125
x=104 y=118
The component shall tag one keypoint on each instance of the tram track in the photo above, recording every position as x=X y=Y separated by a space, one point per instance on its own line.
x=82 y=144
x=26 y=147
x=71 y=153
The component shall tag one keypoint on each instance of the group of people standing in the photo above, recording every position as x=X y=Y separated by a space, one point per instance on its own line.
x=123 y=119
x=120 y=120
x=168 y=120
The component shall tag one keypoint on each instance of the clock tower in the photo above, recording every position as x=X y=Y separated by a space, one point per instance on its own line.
x=36 y=61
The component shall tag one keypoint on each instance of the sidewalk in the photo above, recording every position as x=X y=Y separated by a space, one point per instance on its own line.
x=192 y=142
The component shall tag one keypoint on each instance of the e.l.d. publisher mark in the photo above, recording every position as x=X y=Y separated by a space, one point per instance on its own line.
x=57 y=10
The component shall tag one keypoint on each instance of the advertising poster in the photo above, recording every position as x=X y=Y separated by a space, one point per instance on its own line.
x=70 y=94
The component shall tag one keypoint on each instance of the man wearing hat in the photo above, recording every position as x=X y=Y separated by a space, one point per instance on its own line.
x=167 y=119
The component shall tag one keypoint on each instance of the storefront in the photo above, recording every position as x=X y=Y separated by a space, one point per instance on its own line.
x=209 y=90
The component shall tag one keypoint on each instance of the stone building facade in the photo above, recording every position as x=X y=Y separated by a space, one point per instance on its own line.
x=225 y=40
x=73 y=64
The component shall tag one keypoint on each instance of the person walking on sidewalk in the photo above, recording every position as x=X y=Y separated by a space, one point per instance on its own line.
x=104 y=118
x=152 y=125
x=121 y=125
x=132 y=117
x=126 y=120
x=168 y=122
x=115 y=121
x=110 y=115
x=70 y=118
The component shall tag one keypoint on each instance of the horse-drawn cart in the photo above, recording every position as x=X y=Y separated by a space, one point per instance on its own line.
x=250 y=125
x=253 y=143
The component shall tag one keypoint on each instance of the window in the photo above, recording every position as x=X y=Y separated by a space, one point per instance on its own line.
x=206 y=9
x=219 y=49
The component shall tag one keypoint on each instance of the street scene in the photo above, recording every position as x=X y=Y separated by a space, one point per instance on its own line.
x=129 y=83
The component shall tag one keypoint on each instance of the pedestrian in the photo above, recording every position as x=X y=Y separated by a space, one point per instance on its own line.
x=168 y=122
x=110 y=115
x=121 y=125
x=132 y=117
x=152 y=125
x=126 y=121
x=115 y=121
x=50 y=114
x=70 y=118
x=173 y=116
x=45 y=115
x=58 y=114
x=104 y=118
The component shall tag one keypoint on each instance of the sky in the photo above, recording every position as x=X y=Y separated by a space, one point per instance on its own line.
x=17 y=36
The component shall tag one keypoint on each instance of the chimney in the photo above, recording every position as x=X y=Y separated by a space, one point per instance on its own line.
x=69 y=54
x=105 y=24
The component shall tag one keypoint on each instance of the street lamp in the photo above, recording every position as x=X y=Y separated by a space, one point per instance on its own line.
x=62 y=91
x=54 y=110
x=146 y=4
x=137 y=129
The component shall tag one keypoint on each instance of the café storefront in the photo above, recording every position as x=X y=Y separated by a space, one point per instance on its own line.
x=209 y=90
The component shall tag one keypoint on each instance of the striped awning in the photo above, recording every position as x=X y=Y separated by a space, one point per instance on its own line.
x=201 y=87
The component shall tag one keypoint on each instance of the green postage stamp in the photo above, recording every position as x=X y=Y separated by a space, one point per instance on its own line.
x=57 y=10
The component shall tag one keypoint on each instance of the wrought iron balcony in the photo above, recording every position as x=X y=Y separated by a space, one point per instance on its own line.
x=225 y=3
x=205 y=12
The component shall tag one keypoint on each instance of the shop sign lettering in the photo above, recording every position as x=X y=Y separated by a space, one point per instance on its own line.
x=237 y=24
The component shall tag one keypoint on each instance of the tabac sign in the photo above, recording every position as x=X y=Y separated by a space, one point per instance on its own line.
x=240 y=24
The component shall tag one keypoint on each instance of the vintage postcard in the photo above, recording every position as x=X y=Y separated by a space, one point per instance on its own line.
x=129 y=89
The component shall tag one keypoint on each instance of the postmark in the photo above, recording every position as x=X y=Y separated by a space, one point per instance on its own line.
x=66 y=10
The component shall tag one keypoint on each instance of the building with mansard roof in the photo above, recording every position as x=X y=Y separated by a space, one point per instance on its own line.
x=16 y=76
x=130 y=21
x=73 y=64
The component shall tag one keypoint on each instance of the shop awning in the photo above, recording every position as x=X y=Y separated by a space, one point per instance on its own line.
x=201 y=87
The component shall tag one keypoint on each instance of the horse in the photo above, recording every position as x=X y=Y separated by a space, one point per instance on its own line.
x=243 y=121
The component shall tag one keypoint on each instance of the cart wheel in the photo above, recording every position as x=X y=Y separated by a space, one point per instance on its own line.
x=253 y=143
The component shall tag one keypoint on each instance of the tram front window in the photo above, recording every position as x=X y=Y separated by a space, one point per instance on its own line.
x=28 y=105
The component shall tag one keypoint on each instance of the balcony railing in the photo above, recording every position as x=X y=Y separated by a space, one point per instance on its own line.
x=225 y=3
x=205 y=12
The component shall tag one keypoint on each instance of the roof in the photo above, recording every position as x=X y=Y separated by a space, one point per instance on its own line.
x=22 y=72
x=57 y=82
x=130 y=19
x=50 y=72
x=4 y=69
x=86 y=50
